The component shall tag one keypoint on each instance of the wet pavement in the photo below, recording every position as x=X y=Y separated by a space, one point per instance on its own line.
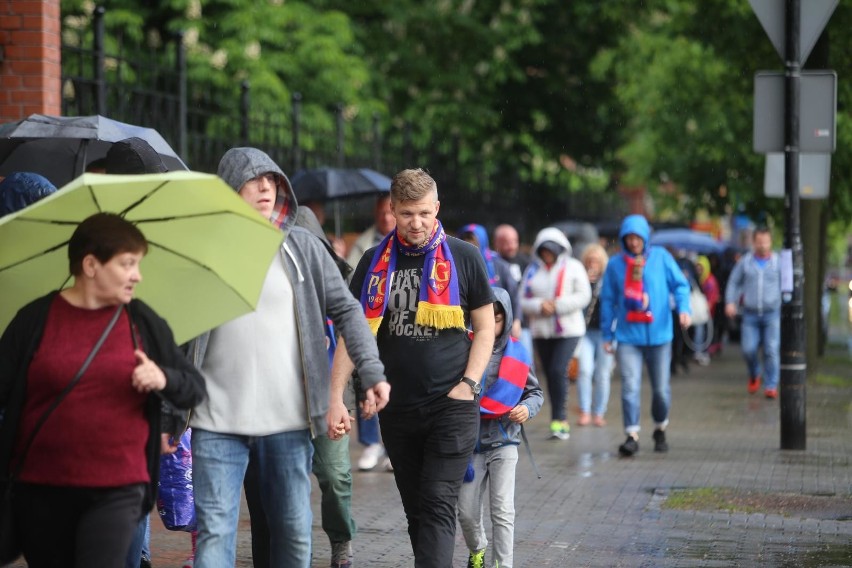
x=593 y=508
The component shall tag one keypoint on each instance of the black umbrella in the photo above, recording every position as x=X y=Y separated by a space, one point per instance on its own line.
x=328 y=184
x=61 y=148
x=334 y=184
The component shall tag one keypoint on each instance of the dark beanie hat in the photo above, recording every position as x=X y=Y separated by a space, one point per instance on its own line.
x=133 y=156
x=552 y=246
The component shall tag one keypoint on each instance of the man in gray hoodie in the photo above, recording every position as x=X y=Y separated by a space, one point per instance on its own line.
x=267 y=374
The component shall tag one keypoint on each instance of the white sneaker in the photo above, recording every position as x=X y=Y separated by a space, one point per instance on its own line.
x=387 y=465
x=370 y=457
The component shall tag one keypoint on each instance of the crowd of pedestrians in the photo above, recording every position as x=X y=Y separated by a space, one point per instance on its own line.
x=432 y=348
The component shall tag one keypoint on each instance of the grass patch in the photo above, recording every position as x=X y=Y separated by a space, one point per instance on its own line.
x=829 y=380
x=749 y=502
x=705 y=499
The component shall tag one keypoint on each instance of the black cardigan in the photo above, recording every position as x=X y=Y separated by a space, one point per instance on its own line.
x=184 y=384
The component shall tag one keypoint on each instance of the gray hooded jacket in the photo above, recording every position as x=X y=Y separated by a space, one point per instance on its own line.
x=318 y=288
x=496 y=432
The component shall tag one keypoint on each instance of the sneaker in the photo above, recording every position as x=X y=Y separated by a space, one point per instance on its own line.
x=770 y=393
x=598 y=421
x=559 y=430
x=585 y=419
x=476 y=559
x=370 y=457
x=145 y=562
x=753 y=385
x=341 y=554
x=660 y=444
x=387 y=465
x=702 y=359
x=629 y=447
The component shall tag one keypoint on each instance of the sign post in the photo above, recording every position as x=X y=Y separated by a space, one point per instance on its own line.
x=786 y=32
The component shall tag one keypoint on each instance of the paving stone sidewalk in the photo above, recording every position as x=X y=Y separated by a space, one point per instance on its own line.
x=593 y=508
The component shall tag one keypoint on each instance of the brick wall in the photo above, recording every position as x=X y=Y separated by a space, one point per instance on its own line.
x=30 y=69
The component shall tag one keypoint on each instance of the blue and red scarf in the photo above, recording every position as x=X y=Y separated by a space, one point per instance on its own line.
x=439 y=305
x=505 y=393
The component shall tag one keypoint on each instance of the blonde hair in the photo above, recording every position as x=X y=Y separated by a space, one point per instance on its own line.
x=597 y=250
x=412 y=185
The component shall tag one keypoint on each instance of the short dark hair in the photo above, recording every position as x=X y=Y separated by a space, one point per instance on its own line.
x=762 y=229
x=103 y=235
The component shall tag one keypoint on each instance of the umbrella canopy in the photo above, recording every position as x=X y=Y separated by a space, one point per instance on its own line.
x=61 y=148
x=686 y=239
x=328 y=184
x=208 y=250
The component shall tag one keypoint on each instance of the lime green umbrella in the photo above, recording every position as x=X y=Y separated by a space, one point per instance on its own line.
x=208 y=251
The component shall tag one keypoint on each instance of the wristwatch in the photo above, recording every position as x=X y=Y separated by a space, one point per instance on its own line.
x=474 y=386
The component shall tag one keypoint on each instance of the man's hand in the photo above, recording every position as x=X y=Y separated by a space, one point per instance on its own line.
x=685 y=320
x=731 y=310
x=461 y=391
x=548 y=308
x=519 y=414
x=375 y=399
x=607 y=346
x=338 y=420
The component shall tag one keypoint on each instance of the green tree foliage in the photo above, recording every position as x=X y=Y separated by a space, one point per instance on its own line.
x=574 y=96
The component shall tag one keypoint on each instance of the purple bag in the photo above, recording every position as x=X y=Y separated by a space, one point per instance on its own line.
x=175 y=501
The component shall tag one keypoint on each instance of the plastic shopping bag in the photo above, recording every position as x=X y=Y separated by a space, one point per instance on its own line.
x=175 y=501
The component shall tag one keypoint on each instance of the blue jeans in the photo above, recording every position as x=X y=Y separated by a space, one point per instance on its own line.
x=283 y=465
x=762 y=330
x=141 y=545
x=658 y=360
x=594 y=376
x=368 y=429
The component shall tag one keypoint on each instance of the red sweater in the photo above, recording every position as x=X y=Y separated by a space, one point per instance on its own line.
x=96 y=436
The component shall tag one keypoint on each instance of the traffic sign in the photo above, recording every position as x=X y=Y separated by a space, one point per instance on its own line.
x=814 y=175
x=817 y=111
x=814 y=14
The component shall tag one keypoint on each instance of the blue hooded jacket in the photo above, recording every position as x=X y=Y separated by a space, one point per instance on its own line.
x=661 y=277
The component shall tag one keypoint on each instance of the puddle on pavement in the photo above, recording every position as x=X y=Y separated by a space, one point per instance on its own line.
x=586 y=462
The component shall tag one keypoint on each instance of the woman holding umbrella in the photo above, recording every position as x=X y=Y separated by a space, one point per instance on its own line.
x=82 y=375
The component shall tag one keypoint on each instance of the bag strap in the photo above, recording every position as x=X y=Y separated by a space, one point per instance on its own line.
x=61 y=396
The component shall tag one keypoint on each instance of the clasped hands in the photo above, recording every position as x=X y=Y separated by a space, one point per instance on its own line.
x=339 y=420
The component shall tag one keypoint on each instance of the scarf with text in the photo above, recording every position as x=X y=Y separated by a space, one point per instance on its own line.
x=439 y=305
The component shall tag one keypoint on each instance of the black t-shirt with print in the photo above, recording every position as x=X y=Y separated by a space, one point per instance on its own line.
x=424 y=363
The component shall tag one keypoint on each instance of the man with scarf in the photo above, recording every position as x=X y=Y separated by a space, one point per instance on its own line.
x=635 y=296
x=420 y=290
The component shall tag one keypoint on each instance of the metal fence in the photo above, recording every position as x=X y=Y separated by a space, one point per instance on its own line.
x=201 y=122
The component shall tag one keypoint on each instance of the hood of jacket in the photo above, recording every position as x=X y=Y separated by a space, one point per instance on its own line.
x=502 y=298
x=635 y=225
x=21 y=189
x=239 y=165
x=554 y=235
x=480 y=233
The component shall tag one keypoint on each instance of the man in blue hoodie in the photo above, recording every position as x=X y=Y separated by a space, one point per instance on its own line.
x=635 y=296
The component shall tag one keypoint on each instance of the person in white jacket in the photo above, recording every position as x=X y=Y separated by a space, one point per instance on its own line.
x=555 y=291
